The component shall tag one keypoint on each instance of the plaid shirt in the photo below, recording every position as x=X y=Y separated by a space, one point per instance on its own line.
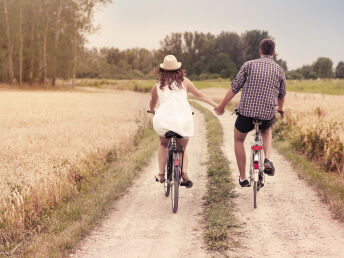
x=262 y=82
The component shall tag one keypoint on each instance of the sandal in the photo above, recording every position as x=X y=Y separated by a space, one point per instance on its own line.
x=161 y=178
x=186 y=181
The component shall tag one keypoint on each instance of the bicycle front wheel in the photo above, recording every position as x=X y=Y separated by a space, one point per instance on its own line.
x=167 y=185
x=168 y=176
x=255 y=194
x=175 y=189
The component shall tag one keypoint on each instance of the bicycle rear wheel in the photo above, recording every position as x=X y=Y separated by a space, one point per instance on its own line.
x=175 y=189
x=255 y=194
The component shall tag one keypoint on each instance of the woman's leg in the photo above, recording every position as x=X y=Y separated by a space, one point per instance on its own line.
x=162 y=154
x=183 y=142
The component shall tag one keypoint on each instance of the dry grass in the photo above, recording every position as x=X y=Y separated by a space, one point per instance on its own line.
x=316 y=123
x=44 y=137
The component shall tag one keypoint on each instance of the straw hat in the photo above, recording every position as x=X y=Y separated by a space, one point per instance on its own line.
x=170 y=63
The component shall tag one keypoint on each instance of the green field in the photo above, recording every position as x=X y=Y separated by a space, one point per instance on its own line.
x=322 y=86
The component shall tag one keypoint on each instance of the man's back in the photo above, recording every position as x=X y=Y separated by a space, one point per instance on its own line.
x=262 y=82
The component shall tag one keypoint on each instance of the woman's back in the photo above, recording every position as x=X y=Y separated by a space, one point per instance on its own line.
x=174 y=94
x=174 y=113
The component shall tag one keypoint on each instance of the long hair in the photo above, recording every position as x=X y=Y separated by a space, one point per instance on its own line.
x=169 y=77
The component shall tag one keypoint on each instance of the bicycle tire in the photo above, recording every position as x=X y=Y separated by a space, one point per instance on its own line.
x=175 y=189
x=167 y=186
x=255 y=194
x=168 y=172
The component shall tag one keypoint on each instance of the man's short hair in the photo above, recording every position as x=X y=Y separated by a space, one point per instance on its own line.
x=267 y=47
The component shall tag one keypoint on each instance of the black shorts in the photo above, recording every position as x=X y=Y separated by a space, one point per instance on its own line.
x=245 y=124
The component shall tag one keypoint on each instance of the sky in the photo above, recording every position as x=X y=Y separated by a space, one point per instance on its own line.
x=303 y=29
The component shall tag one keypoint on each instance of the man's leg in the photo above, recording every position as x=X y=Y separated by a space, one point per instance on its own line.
x=269 y=168
x=240 y=154
x=267 y=142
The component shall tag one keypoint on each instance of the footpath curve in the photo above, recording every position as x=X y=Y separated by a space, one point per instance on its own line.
x=142 y=223
x=290 y=221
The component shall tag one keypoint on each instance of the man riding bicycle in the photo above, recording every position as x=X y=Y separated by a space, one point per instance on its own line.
x=263 y=85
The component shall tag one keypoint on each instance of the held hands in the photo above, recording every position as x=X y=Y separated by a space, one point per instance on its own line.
x=219 y=110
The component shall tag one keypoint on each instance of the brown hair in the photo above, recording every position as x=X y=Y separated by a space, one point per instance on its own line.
x=267 y=46
x=168 y=77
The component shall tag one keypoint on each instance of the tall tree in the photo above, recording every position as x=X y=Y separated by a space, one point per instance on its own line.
x=323 y=67
x=340 y=70
x=9 y=43
x=21 y=42
x=56 y=41
x=33 y=12
x=251 y=40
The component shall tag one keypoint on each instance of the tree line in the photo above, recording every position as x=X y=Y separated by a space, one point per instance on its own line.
x=45 y=39
x=321 y=68
x=42 y=39
x=204 y=56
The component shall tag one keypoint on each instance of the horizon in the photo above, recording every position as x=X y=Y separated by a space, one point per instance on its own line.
x=129 y=24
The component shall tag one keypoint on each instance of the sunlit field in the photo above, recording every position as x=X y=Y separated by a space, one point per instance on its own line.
x=44 y=138
x=324 y=86
x=315 y=122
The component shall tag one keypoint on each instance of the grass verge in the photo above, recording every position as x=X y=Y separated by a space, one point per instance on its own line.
x=60 y=232
x=219 y=215
x=329 y=185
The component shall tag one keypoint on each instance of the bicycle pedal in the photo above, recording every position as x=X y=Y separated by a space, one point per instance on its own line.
x=183 y=183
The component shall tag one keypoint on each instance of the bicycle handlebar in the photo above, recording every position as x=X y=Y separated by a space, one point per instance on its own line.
x=236 y=111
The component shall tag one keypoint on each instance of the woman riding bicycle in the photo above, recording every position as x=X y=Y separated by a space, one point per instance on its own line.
x=174 y=113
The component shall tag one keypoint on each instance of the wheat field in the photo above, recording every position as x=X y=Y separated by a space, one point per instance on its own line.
x=45 y=134
x=316 y=123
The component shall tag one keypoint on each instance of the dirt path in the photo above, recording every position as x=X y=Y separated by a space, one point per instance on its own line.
x=142 y=223
x=290 y=220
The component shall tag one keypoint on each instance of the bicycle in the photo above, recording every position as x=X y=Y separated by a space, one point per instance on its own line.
x=174 y=168
x=257 y=176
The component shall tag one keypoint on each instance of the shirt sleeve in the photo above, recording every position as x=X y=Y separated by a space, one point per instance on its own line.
x=283 y=86
x=240 y=79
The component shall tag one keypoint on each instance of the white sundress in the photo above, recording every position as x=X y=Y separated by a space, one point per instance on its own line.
x=174 y=113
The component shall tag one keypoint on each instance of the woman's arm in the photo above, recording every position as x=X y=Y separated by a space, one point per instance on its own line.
x=197 y=93
x=154 y=100
x=220 y=109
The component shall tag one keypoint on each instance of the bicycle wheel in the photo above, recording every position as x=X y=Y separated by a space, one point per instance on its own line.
x=255 y=194
x=167 y=185
x=175 y=189
x=168 y=176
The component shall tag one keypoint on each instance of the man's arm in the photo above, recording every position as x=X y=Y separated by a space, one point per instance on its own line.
x=220 y=109
x=281 y=95
x=237 y=84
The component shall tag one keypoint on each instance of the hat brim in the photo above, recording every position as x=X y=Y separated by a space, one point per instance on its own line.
x=179 y=64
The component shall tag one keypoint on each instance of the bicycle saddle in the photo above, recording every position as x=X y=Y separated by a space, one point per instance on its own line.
x=170 y=134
